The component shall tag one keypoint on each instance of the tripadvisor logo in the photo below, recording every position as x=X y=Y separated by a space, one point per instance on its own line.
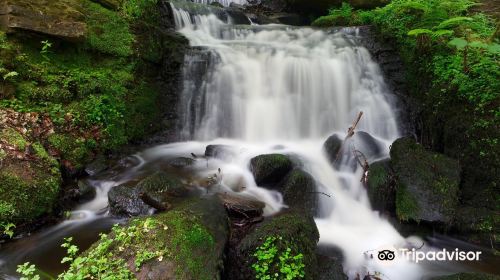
x=389 y=254
x=414 y=255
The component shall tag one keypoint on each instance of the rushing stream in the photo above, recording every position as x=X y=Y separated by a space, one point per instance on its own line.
x=264 y=89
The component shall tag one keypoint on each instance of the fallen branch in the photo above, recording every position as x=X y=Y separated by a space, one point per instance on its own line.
x=321 y=193
x=350 y=133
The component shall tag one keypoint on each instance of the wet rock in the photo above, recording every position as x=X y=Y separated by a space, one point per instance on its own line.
x=181 y=162
x=97 y=166
x=369 y=148
x=289 y=19
x=428 y=183
x=125 y=201
x=238 y=16
x=270 y=169
x=85 y=192
x=241 y=207
x=141 y=199
x=330 y=268
x=291 y=230
x=62 y=19
x=223 y=152
x=187 y=242
x=298 y=189
x=332 y=147
x=382 y=186
x=468 y=276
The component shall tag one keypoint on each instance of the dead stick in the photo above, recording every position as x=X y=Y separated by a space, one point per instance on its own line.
x=350 y=133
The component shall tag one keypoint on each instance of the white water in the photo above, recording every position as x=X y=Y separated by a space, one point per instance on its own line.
x=269 y=86
x=223 y=2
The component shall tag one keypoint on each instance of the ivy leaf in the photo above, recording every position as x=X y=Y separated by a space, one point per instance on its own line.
x=459 y=43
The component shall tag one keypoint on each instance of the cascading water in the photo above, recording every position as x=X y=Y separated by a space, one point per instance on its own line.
x=262 y=89
x=277 y=85
x=223 y=2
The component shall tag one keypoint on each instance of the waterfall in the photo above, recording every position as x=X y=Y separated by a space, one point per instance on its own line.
x=262 y=86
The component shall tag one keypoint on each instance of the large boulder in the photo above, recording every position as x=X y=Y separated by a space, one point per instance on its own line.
x=63 y=19
x=223 y=152
x=30 y=177
x=157 y=191
x=330 y=268
x=428 y=185
x=282 y=246
x=270 y=169
x=298 y=189
x=187 y=242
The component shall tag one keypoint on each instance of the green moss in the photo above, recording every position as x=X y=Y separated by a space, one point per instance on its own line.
x=3 y=154
x=71 y=149
x=180 y=237
x=108 y=32
x=29 y=190
x=12 y=137
x=406 y=205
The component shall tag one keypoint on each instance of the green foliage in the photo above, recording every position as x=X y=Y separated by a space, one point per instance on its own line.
x=108 y=32
x=28 y=271
x=7 y=228
x=336 y=17
x=273 y=264
x=136 y=8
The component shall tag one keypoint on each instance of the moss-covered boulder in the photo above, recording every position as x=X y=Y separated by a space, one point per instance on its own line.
x=187 y=242
x=382 y=186
x=298 y=189
x=281 y=247
x=428 y=185
x=468 y=276
x=29 y=177
x=157 y=191
x=270 y=169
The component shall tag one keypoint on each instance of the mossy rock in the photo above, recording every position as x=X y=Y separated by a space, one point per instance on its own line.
x=270 y=169
x=73 y=150
x=160 y=188
x=298 y=189
x=428 y=183
x=292 y=236
x=381 y=186
x=468 y=276
x=28 y=190
x=13 y=138
x=187 y=242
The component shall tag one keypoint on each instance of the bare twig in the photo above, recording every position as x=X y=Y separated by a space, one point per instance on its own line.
x=321 y=193
x=350 y=133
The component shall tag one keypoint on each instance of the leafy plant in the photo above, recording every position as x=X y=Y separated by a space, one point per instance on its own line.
x=273 y=264
x=8 y=229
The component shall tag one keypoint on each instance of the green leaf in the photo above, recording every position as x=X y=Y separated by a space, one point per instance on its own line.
x=452 y=22
x=479 y=45
x=419 y=31
x=494 y=48
x=459 y=43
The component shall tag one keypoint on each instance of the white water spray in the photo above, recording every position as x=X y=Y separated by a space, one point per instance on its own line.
x=264 y=86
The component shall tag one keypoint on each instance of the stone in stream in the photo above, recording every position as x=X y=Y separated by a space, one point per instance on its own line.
x=241 y=207
x=223 y=152
x=160 y=187
x=428 y=183
x=270 y=169
x=86 y=192
x=181 y=162
x=293 y=235
x=298 y=189
x=361 y=141
x=187 y=242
